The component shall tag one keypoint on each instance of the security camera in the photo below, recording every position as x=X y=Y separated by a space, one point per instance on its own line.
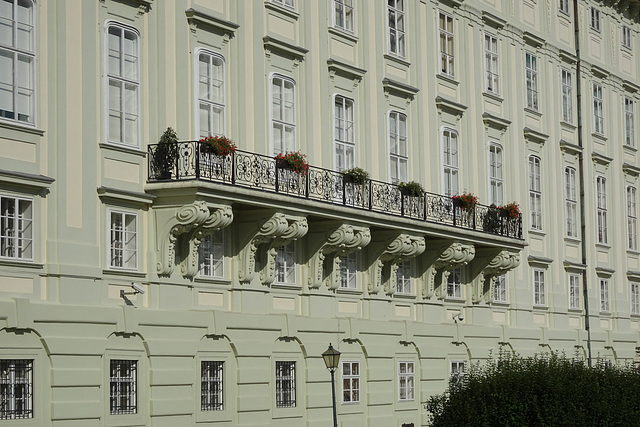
x=461 y=316
x=137 y=287
x=458 y=316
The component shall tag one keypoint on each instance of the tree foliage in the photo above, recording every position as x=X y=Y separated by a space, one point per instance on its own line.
x=539 y=391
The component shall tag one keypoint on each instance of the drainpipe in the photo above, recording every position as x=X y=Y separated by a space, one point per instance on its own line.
x=583 y=228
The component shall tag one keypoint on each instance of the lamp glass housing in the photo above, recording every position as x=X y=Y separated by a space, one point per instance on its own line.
x=331 y=358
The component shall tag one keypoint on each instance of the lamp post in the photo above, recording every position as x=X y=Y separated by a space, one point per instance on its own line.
x=331 y=359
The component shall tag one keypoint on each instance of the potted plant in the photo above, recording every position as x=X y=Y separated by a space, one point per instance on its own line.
x=510 y=210
x=466 y=201
x=355 y=176
x=294 y=161
x=411 y=188
x=218 y=145
x=166 y=154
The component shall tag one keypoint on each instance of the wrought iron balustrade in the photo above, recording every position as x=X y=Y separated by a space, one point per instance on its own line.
x=190 y=161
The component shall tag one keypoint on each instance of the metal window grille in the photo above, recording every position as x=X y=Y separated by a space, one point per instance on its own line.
x=350 y=382
x=406 y=381
x=123 y=387
x=16 y=389
x=285 y=384
x=211 y=381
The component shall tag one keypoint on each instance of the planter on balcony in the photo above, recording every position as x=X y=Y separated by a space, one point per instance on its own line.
x=411 y=189
x=166 y=154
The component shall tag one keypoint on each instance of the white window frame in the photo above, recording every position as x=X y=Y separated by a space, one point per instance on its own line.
x=454 y=284
x=396 y=24
x=632 y=219
x=211 y=385
x=447 y=48
x=215 y=106
x=496 y=184
x=574 y=291
x=406 y=381
x=605 y=306
x=567 y=95
x=350 y=382
x=282 y=122
x=343 y=12
x=635 y=298
x=539 y=291
x=287 y=3
x=286 y=390
x=112 y=239
x=16 y=228
x=531 y=80
x=403 y=278
x=286 y=264
x=211 y=255
x=344 y=138
x=601 y=210
x=563 y=7
x=123 y=388
x=126 y=111
x=491 y=64
x=535 y=193
x=598 y=112
x=626 y=37
x=349 y=271
x=450 y=162
x=457 y=369
x=20 y=83
x=500 y=289
x=16 y=399
x=629 y=119
x=398 y=147
x=571 y=202
x=595 y=19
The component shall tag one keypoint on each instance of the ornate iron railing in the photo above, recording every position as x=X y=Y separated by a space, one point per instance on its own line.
x=188 y=160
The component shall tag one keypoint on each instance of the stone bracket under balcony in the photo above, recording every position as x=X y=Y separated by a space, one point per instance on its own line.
x=391 y=252
x=188 y=224
x=330 y=245
x=450 y=256
x=267 y=232
x=493 y=265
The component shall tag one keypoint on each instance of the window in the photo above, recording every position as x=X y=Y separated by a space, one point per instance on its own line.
x=635 y=298
x=567 y=97
x=445 y=24
x=601 y=205
x=454 y=284
x=211 y=255
x=211 y=99
x=123 y=83
x=595 y=19
x=500 y=289
x=632 y=219
x=604 y=295
x=122 y=387
x=285 y=384
x=286 y=264
x=450 y=175
x=571 y=202
x=398 y=146
x=16 y=389
x=535 y=193
x=348 y=269
x=211 y=386
x=406 y=381
x=283 y=116
x=288 y=3
x=344 y=14
x=395 y=14
x=492 y=81
x=531 y=77
x=628 y=122
x=564 y=6
x=350 y=382
x=343 y=133
x=495 y=174
x=574 y=291
x=16 y=228
x=456 y=370
x=598 y=115
x=539 y=297
x=123 y=243
x=626 y=37
x=17 y=59
x=403 y=278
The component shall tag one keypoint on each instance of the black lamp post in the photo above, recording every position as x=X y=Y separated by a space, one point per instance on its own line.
x=331 y=359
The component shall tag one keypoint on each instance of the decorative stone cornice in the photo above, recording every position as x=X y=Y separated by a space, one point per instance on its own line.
x=497 y=266
x=199 y=18
x=453 y=256
x=401 y=248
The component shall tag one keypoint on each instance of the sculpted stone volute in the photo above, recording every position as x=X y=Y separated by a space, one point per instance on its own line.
x=454 y=256
x=401 y=248
x=498 y=265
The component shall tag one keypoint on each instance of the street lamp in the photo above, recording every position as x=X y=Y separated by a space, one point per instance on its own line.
x=331 y=359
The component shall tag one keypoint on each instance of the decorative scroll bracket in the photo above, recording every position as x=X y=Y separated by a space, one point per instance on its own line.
x=401 y=248
x=484 y=287
x=454 y=256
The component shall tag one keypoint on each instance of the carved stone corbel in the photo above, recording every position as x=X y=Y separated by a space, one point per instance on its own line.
x=297 y=228
x=486 y=281
x=401 y=248
x=454 y=256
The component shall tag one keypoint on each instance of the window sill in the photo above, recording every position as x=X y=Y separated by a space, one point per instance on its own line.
x=132 y=273
x=572 y=240
x=448 y=78
x=397 y=59
x=605 y=314
x=630 y=148
x=568 y=125
x=454 y=300
x=599 y=136
x=634 y=252
x=20 y=127
x=21 y=264
x=404 y=296
x=533 y=112
x=345 y=34
x=603 y=246
x=289 y=286
x=564 y=15
x=537 y=232
x=123 y=149
x=574 y=311
x=291 y=13
x=541 y=307
x=493 y=96
x=500 y=304
x=211 y=279
x=349 y=291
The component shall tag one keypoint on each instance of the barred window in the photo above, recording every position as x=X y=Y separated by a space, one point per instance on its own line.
x=211 y=385
x=211 y=255
x=406 y=381
x=350 y=382
x=123 y=396
x=123 y=243
x=403 y=278
x=348 y=270
x=16 y=228
x=16 y=389
x=285 y=384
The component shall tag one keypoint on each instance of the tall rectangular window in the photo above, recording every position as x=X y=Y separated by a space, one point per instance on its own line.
x=604 y=296
x=348 y=270
x=211 y=255
x=601 y=207
x=629 y=128
x=450 y=163
x=564 y=6
x=343 y=14
x=531 y=77
x=595 y=19
x=574 y=291
x=598 y=114
x=17 y=60
x=406 y=381
x=567 y=96
x=283 y=115
x=500 y=289
x=539 y=295
x=123 y=81
x=535 y=193
x=343 y=133
x=445 y=24
x=211 y=382
x=123 y=242
x=635 y=298
x=454 y=284
x=16 y=389
x=456 y=370
x=286 y=264
x=211 y=99
x=350 y=382
x=398 y=146
x=395 y=15
x=403 y=278
x=571 y=202
x=626 y=37
x=16 y=228
x=495 y=175
x=632 y=219
x=123 y=398
x=492 y=81
x=285 y=384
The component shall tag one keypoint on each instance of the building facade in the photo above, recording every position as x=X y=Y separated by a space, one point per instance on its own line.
x=246 y=270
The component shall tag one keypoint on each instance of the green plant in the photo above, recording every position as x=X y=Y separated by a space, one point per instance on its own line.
x=491 y=221
x=465 y=200
x=166 y=154
x=510 y=210
x=411 y=188
x=355 y=175
x=219 y=145
x=293 y=160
